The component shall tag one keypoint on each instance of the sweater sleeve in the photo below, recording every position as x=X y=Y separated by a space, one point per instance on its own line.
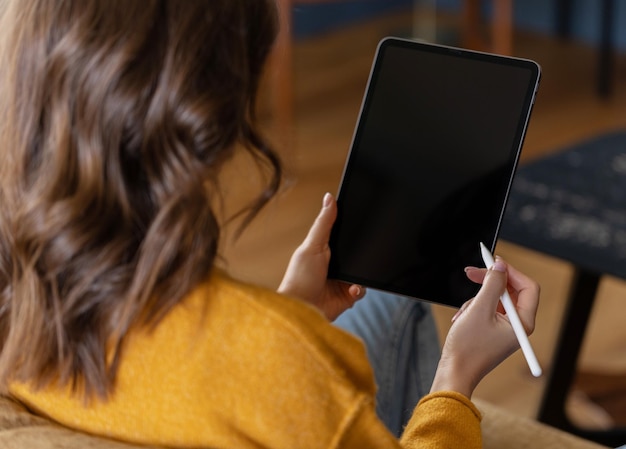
x=443 y=420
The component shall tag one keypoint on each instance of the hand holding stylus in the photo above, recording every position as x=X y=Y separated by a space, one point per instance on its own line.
x=481 y=336
x=516 y=324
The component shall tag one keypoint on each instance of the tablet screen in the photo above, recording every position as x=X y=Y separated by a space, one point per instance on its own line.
x=429 y=170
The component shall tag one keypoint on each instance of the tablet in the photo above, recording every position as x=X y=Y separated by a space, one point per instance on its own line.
x=430 y=166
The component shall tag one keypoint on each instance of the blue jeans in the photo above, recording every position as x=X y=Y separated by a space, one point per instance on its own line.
x=403 y=348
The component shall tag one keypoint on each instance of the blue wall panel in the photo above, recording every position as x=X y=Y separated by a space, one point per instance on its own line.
x=531 y=15
x=313 y=19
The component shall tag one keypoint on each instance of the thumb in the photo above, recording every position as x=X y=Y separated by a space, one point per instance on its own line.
x=319 y=234
x=492 y=289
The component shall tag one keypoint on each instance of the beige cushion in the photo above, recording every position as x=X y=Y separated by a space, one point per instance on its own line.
x=502 y=429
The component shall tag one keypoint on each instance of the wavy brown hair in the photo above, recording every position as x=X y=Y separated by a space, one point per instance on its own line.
x=115 y=119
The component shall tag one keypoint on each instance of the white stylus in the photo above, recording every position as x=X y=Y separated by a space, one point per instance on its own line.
x=511 y=312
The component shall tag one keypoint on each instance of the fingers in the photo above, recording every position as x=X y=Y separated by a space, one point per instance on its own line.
x=353 y=292
x=522 y=283
x=319 y=234
x=528 y=292
x=524 y=292
x=475 y=274
x=517 y=280
x=494 y=284
x=356 y=291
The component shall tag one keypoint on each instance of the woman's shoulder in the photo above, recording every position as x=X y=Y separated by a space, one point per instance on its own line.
x=285 y=327
x=257 y=357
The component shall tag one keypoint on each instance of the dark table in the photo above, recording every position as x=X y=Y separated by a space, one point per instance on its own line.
x=572 y=206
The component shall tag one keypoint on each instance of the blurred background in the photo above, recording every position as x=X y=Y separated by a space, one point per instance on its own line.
x=310 y=103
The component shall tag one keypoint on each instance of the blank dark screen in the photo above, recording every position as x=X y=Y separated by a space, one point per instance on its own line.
x=429 y=170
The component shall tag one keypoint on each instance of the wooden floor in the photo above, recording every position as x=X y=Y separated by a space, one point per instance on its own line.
x=331 y=72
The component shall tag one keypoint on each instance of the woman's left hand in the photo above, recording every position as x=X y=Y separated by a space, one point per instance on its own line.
x=306 y=275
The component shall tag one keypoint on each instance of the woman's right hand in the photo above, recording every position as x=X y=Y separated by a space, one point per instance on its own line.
x=481 y=336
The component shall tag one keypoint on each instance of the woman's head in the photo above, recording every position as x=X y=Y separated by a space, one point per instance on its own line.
x=115 y=118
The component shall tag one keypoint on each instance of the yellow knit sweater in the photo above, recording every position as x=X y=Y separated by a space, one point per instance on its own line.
x=238 y=366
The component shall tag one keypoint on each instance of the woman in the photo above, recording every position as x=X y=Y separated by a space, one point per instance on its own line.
x=116 y=122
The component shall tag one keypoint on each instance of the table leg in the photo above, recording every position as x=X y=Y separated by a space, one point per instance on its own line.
x=563 y=370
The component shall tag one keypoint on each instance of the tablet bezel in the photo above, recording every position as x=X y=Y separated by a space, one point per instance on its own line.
x=336 y=272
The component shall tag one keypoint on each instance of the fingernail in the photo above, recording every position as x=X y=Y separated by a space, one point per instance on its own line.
x=456 y=315
x=468 y=269
x=498 y=266
x=328 y=199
